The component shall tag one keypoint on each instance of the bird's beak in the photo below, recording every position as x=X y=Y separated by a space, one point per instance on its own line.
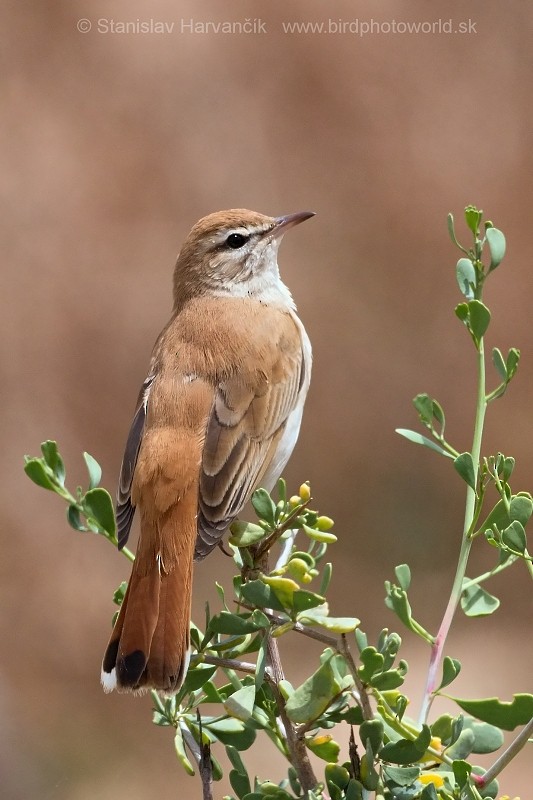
x=289 y=221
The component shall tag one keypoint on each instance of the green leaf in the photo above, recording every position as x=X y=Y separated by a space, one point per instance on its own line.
x=451 y=231
x=515 y=537
x=283 y=588
x=372 y=731
x=179 y=746
x=450 y=670
x=94 y=469
x=119 y=594
x=429 y=792
x=324 y=747
x=479 y=317
x=463 y=745
x=385 y=681
x=54 y=460
x=303 y=600
x=312 y=698
x=74 y=519
x=372 y=662
x=504 y=715
x=337 y=776
x=230 y=730
x=97 y=504
x=36 y=472
x=335 y=624
x=461 y=771
x=521 y=508
x=197 y=677
x=261 y=663
x=327 y=572
x=417 y=438
x=264 y=506
x=235 y=759
x=241 y=703
x=496 y=242
x=240 y=783
x=236 y=625
x=243 y=534
x=442 y=727
x=461 y=311
x=465 y=467
x=499 y=363
x=402 y=776
x=473 y=218
x=403 y=576
x=477 y=602
x=406 y=751
x=319 y=535
x=487 y=738
x=466 y=277
x=257 y=593
x=424 y=405
x=513 y=359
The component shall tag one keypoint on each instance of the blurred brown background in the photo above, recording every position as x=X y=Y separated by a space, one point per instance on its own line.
x=113 y=145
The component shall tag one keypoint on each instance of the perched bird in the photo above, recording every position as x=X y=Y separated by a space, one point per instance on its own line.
x=217 y=416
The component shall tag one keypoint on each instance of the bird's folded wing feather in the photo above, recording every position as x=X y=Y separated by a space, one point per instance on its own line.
x=246 y=424
x=125 y=509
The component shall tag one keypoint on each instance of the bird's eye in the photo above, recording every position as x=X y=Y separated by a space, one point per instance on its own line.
x=236 y=240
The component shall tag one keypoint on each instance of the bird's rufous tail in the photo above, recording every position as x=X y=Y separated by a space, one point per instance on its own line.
x=149 y=645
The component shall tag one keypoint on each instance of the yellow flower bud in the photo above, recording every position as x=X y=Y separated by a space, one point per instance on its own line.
x=305 y=492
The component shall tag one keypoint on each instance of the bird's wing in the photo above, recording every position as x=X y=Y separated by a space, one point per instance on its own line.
x=247 y=421
x=125 y=509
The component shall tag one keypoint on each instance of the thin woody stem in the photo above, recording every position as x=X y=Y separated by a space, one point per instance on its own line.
x=507 y=756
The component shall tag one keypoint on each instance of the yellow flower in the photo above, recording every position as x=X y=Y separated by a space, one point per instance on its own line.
x=431 y=777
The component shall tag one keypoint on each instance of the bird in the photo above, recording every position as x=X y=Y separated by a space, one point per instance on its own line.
x=217 y=417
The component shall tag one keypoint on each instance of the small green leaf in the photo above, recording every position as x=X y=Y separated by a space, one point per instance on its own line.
x=197 y=677
x=451 y=231
x=479 y=317
x=326 y=577
x=466 y=277
x=390 y=679
x=403 y=576
x=463 y=745
x=473 y=218
x=371 y=662
x=54 y=460
x=442 y=727
x=257 y=593
x=372 y=731
x=241 y=703
x=179 y=746
x=261 y=663
x=324 y=747
x=318 y=535
x=237 y=625
x=487 y=738
x=417 y=438
x=461 y=771
x=36 y=472
x=243 y=534
x=264 y=506
x=477 y=602
x=312 y=698
x=283 y=588
x=461 y=311
x=496 y=242
x=74 y=519
x=406 y=751
x=94 y=469
x=240 y=783
x=465 y=467
x=513 y=359
x=303 y=601
x=98 y=505
x=120 y=593
x=429 y=792
x=521 y=508
x=402 y=776
x=499 y=363
x=450 y=670
x=235 y=759
x=515 y=537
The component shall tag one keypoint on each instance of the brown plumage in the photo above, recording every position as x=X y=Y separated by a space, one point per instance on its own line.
x=217 y=416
